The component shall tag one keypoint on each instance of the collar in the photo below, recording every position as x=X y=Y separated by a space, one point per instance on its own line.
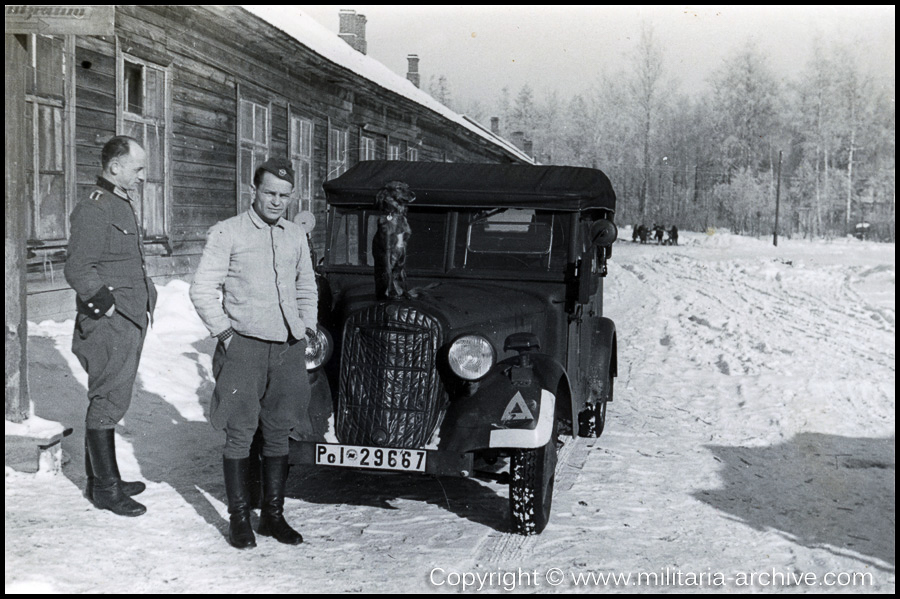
x=260 y=223
x=104 y=183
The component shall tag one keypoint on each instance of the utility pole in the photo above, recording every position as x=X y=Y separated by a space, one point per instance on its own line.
x=777 y=199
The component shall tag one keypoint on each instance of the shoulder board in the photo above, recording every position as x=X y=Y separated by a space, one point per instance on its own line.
x=96 y=194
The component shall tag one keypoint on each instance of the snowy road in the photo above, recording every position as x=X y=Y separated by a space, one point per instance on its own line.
x=750 y=446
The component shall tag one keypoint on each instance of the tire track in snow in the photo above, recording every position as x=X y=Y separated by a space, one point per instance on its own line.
x=499 y=547
x=718 y=294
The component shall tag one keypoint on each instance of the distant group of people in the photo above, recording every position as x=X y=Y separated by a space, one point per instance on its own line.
x=642 y=233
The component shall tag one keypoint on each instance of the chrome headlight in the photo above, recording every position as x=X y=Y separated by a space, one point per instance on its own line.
x=471 y=357
x=318 y=350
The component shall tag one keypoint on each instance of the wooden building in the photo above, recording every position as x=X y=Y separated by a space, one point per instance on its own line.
x=211 y=92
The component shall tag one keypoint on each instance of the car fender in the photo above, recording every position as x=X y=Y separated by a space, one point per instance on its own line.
x=553 y=376
x=502 y=413
x=604 y=358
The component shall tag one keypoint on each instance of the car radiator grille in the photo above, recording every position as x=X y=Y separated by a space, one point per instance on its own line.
x=390 y=393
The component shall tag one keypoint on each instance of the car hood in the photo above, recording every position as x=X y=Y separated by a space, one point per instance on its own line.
x=468 y=305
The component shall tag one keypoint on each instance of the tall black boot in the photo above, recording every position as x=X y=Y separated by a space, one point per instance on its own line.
x=106 y=492
x=254 y=471
x=129 y=488
x=240 y=533
x=271 y=518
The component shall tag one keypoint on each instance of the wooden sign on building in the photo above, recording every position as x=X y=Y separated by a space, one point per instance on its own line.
x=61 y=20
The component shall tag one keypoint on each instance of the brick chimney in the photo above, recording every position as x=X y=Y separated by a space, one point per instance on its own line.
x=412 y=72
x=353 y=29
x=518 y=139
x=495 y=125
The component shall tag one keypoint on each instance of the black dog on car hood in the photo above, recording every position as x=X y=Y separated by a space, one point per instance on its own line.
x=391 y=239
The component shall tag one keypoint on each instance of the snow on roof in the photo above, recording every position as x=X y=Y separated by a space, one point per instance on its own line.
x=328 y=45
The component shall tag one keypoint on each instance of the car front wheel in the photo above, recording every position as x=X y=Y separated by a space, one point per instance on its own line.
x=532 y=472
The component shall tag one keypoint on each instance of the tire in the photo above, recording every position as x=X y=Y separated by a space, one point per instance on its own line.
x=592 y=420
x=600 y=415
x=600 y=409
x=532 y=473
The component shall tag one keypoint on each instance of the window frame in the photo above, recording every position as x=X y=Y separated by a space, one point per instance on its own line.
x=243 y=187
x=65 y=104
x=337 y=166
x=367 y=148
x=124 y=116
x=302 y=163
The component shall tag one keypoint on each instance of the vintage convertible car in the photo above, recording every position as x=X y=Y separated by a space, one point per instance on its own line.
x=501 y=347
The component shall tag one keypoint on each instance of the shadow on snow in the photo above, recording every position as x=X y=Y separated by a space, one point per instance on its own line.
x=184 y=454
x=466 y=498
x=187 y=455
x=822 y=491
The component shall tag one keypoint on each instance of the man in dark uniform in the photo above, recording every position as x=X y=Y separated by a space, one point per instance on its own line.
x=114 y=300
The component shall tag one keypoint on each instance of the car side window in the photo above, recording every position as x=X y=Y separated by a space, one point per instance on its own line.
x=345 y=248
x=354 y=230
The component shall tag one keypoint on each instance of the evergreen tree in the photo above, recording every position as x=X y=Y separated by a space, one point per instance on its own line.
x=440 y=90
x=523 y=114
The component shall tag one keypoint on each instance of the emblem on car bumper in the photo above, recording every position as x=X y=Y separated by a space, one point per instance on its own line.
x=529 y=438
x=517 y=409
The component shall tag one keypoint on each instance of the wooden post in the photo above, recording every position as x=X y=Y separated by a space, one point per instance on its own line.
x=17 y=402
x=777 y=199
x=21 y=21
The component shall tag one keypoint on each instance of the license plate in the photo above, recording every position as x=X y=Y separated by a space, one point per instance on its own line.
x=380 y=458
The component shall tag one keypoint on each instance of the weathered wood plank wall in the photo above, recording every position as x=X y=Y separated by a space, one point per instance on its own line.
x=211 y=54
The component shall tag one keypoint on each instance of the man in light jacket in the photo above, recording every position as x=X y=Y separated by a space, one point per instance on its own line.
x=255 y=290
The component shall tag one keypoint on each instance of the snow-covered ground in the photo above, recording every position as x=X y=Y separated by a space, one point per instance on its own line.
x=750 y=446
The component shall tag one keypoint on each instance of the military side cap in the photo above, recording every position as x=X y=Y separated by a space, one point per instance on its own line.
x=280 y=168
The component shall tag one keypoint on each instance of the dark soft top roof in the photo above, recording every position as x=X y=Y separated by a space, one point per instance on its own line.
x=565 y=188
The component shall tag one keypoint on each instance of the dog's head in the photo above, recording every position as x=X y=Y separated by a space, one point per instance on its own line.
x=395 y=196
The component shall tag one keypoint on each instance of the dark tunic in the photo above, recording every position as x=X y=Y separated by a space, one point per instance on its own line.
x=105 y=266
x=105 y=262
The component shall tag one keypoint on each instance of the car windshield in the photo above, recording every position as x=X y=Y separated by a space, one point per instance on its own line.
x=505 y=239
x=500 y=235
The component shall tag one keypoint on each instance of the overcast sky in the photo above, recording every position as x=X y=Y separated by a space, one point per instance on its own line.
x=482 y=49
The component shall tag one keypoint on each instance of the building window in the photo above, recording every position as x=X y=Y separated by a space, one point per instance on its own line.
x=48 y=141
x=134 y=88
x=254 y=126
x=301 y=159
x=338 y=159
x=144 y=113
x=393 y=151
x=412 y=154
x=366 y=148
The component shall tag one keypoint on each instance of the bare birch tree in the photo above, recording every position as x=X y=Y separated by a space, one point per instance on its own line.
x=646 y=90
